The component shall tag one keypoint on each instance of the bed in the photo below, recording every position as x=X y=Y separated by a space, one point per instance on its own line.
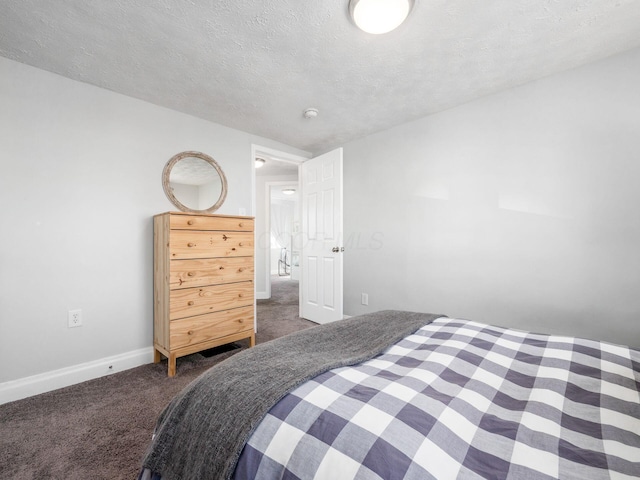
x=402 y=395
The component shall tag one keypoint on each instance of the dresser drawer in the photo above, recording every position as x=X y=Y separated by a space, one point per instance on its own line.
x=197 y=301
x=204 y=222
x=209 y=271
x=202 y=244
x=193 y=330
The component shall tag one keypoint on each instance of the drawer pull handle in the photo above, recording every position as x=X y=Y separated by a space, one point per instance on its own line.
x=190 y=303
x=240 y=270
x=224 y=237
x=241 y=224
x=190 y=274
x=240 y=295
x=190 y=332
x=190 y=245
x=240 y=244
x=190 y=222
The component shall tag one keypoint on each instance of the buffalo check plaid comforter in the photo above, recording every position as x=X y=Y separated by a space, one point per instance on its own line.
x=460 y=400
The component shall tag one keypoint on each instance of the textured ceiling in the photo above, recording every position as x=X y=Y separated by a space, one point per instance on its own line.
x=256 y=65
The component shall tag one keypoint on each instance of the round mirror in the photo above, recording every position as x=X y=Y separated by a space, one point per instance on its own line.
x=194 y=182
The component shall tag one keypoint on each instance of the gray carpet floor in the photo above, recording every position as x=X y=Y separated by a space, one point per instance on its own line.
x=100 y=429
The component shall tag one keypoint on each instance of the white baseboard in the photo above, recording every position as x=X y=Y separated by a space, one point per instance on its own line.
x=45 y=382
x=262 y=296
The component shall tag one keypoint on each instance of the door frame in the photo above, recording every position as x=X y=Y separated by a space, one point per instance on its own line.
x=277 y=155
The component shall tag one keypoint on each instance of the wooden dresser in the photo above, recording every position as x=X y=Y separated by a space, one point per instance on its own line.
x=203 y=283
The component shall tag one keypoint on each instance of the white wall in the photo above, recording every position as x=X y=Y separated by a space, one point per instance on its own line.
x=80 y=179
x=519 y=209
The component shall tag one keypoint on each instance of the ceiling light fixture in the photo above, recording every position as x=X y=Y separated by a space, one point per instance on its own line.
x=259 y=162
x=379 y=16
x=288 y=191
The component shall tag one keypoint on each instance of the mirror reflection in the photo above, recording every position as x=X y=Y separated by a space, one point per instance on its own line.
x=194 y=182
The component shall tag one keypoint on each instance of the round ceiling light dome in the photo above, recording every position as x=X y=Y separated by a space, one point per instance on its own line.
x=379 y=16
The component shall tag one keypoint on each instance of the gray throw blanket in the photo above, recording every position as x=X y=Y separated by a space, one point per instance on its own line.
x=202 y=432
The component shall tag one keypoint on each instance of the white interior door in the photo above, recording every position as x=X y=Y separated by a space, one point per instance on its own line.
x=321 y=280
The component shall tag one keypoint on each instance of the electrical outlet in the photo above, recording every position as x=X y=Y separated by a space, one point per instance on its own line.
x=365 y=299
x=75 y=318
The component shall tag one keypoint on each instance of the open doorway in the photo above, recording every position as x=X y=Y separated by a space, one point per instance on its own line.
x=276 y=256
x=276 y=214
x=284 y=258
x=282 y=261
x=284 y=223
x=280 y=309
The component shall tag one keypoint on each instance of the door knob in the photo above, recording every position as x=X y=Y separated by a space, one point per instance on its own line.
x=335 y=249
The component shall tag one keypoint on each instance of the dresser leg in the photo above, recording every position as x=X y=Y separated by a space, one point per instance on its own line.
x=172 y=365
x=252 y=340
x=157 y=356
